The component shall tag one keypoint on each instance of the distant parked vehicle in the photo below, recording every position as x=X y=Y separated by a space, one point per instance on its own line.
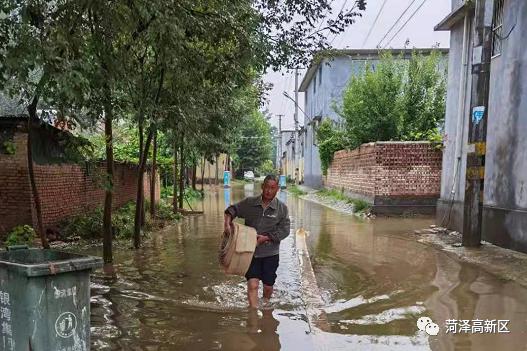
x=248 y=175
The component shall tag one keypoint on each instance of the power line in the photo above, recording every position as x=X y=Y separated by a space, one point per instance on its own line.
x=374 y=23
x=285 y=87
x=397 y=21
x=325 y=14
x=405 y=23
x=341 y=9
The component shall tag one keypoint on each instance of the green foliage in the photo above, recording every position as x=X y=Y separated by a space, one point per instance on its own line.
x=191 y=194
x=369 y=103
x=296 y=191
x=399 y=100
x=20 y=235
x=255 y=143
x=9 y=147
x=267 y=168
x=329 y=140
x=167 y=191
x=165 y=211
x=89 y=226
x=86 y=226
x=422 y=101
x=358 y=204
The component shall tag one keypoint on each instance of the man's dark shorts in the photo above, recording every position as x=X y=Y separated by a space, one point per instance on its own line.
x=264 y=268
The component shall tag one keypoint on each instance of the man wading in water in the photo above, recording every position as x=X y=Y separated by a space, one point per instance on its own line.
x=269 y=217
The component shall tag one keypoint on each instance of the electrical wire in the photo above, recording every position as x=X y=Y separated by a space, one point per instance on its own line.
x=341 y=9
x=405 y=23
x=373 y=25
x=397 y=21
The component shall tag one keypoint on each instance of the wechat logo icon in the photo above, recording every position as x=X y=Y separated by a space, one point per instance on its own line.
x=427 y=325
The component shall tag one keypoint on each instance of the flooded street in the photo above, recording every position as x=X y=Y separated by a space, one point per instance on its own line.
x=374 y=278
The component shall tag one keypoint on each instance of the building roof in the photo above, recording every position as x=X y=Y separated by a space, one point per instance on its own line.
x=358 y=54
x=455 y=16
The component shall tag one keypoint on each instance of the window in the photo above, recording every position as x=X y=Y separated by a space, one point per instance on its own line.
x=497 y=27
x=320 y=74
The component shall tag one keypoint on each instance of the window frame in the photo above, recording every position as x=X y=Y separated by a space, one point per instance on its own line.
x=497 y=28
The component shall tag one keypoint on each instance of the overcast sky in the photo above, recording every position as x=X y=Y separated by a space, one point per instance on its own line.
x=419 y=31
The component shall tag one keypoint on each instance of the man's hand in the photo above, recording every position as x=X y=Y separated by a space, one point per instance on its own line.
x=227 y=225
x=260 y=239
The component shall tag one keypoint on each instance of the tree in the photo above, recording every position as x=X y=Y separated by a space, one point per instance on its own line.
x=422 y=101
x=330 y=139
x=190 y=69
x=255 y=143
x=399 y=100
x=369 y=103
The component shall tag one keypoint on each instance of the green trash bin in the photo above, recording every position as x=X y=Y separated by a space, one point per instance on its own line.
x=45 y=300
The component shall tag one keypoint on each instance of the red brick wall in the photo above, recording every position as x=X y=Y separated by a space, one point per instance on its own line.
x=65 y=190
x=14 y=186
x=353 y=170
x=387 y=169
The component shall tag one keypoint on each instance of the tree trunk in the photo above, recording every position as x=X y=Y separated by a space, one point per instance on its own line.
x=193 y=173
x=32 y=110
x=153 y=178
x=140 y=193
x=175 y=185
x=181 y=171
x=108 y=197
x=140 y=197
x=217 y=170
x=203 y=173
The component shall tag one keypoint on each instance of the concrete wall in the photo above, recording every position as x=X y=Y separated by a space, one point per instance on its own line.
x=325 y=90
x=505 y=195
x=505 y=198
x=450 y=208
x=213 y=171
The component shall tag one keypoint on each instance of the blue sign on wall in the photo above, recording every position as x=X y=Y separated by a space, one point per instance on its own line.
x=477 y=114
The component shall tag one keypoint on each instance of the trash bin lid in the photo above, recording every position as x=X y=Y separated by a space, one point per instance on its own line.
x=40 y=262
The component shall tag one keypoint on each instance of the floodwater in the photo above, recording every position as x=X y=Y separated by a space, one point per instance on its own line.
x=374 y=279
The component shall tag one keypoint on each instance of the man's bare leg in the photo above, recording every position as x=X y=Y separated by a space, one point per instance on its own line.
x=252 y=292
x=267 y=293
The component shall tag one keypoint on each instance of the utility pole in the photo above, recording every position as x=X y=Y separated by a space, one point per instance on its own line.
x=475 y=172
x=279 y=148
x=296 y=156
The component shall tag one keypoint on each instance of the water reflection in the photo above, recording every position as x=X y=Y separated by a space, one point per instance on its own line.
x=375 y=281
x=263 y=330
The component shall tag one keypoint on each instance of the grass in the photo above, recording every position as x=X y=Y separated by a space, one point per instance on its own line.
x=358 y=204
x=296 y=191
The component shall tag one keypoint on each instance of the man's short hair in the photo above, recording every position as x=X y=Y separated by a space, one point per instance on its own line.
x=270 y=177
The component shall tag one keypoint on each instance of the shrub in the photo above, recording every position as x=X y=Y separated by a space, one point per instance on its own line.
x=20 y=235
x=167 y=191
x=330 y=140
x=87 y=226
x=267 y=168
x=165 y=211
x=296 y=191
x=191 y=194
x=358 y=204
